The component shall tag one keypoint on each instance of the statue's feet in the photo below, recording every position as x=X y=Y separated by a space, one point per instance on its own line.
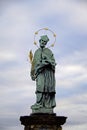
x=36 y=106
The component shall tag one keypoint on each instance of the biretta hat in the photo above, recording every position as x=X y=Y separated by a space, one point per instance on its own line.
x=45 y=38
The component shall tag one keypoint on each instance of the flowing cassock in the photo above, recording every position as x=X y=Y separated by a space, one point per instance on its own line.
x=43 y=70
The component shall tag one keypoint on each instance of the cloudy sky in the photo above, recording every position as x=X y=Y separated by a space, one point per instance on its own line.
x=19 y=20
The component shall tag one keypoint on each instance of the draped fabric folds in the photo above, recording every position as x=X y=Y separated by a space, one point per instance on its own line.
x=43 y=71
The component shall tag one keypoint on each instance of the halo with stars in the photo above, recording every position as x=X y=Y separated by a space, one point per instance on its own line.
x=45 y=31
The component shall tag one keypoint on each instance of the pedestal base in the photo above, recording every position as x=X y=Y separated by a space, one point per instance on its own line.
x=43 y=110
x=42 y=121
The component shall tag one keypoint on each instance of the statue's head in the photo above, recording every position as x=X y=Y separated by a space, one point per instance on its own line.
x=43 y=41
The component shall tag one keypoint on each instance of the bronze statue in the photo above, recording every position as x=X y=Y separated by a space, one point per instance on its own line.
x=43 y=72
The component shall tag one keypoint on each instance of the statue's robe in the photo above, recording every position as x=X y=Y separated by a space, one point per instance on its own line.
x=43 y=70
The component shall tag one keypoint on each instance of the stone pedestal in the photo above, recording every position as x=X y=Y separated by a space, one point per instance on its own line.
x=40 y=121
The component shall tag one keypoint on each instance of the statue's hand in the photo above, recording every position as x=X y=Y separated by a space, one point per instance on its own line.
x=45 y=62
x=33 y=77
x=32 y=74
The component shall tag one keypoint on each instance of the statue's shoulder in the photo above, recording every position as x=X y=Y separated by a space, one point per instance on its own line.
x=37 y=51
x=48 y=50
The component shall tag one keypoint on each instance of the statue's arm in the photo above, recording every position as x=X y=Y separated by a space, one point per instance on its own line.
x=36 y=66
x=49 y=60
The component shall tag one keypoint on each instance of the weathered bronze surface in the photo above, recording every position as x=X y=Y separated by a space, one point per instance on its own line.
x=43 y=72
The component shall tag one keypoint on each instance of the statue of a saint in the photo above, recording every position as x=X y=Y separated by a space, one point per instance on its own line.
x=43 y=72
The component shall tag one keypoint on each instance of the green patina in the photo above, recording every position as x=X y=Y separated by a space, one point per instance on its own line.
x=43 y=72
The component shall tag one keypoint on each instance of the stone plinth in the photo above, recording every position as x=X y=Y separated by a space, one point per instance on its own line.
x=42 y=121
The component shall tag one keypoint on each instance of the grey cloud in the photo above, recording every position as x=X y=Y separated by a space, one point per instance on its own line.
x=82 y=1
